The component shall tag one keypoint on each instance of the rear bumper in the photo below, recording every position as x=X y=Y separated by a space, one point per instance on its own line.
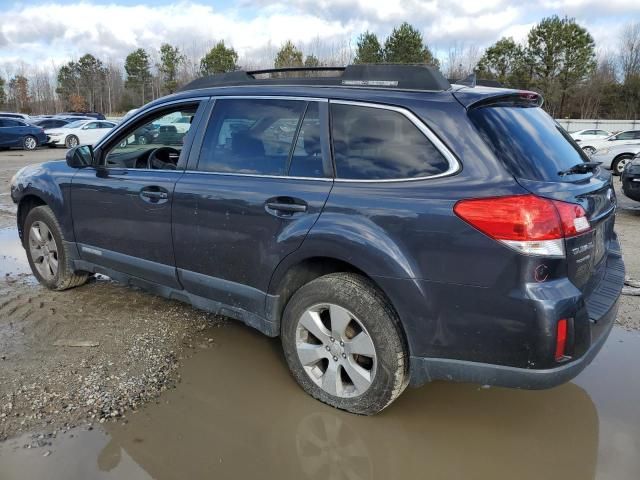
x=424 y=370
x=602 y=307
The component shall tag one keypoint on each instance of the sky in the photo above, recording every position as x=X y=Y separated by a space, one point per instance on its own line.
x=46 y=32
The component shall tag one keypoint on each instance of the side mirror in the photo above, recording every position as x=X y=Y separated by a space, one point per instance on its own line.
x=80 y=156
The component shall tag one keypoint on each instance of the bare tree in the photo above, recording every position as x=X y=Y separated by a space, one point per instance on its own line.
x=629 y=55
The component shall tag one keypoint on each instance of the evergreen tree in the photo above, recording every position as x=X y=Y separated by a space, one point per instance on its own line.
x=220 y=59
x=368 y=49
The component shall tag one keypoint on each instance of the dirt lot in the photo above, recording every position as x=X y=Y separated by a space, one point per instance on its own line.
x=236 y=411
x=139 y=338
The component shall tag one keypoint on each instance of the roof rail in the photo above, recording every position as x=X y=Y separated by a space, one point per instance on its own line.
x=394 y=76
x=296 y=69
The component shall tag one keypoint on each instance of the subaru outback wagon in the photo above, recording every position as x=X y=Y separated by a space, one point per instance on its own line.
x=389 y=227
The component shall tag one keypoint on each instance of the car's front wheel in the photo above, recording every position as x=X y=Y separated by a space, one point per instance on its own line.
x=47 y=253
x=30 y=142
x=71 y=141
x=344 y=345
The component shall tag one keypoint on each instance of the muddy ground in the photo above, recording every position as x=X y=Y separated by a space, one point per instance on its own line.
x=237 y=413
x=137 y=339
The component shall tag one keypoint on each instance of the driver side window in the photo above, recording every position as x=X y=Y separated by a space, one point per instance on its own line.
x=154 y=142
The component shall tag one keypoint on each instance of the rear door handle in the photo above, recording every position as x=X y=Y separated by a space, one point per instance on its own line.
x=154 y=194
x=287 y=207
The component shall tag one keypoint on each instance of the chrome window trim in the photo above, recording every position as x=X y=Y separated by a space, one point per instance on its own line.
x=454 y=164
x=269 y=97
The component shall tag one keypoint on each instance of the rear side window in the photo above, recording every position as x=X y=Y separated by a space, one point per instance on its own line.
x=530 y=143
x=378 y=144
x=251 y=136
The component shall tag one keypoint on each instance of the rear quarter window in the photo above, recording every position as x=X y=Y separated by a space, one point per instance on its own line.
x=530 y=143
x=371 y=143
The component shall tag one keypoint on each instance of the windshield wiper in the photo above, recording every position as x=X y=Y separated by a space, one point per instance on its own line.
x=583 y=167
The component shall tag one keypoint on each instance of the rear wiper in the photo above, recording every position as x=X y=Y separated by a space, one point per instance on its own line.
x=583 y=167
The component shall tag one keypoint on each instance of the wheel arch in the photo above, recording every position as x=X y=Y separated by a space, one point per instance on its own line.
x=287 y=280
x=26 y=204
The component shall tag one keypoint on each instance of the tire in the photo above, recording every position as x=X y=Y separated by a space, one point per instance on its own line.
x=30 y=143
x=71 y=141
x=42 y=222
x=142 y=140
x=123 y=143
x=588 y=150
x=333 y=373
x=619 y=163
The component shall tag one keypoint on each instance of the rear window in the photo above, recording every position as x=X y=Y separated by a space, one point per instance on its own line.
x=531 y=144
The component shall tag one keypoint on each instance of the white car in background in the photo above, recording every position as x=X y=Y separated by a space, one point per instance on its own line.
x=616 y=157
x=631 y=137
x=81 y=132
x=590 y=134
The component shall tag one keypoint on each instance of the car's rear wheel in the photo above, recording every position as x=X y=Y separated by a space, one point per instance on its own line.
x=47 y=252
x=30 y=142
x=589 y=150
x=343 y=343
x=71 y=141
x=619 y=163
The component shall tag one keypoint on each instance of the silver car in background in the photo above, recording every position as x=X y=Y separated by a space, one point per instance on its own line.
x=615 y=157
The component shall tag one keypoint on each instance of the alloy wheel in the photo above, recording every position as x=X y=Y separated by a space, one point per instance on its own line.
x=43 y=250
x=335 y=350
x=30 y=143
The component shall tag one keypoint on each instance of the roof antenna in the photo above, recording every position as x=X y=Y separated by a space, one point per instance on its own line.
x=470 y=81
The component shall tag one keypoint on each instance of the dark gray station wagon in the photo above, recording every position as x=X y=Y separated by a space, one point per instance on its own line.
x=391 y=228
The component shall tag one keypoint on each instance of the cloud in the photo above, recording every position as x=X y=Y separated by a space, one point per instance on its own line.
x=59 y=32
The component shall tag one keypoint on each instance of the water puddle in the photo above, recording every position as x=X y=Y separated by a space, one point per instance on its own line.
x=13 y=259
x=239 y=414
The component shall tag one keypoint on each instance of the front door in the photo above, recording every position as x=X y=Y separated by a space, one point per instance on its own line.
x=122 y=207
x=260 y=183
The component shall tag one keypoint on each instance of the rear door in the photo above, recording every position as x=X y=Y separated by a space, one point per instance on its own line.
x=249 y=198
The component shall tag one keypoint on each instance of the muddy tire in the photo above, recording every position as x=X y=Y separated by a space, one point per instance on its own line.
x=47 y=253
x=344 y=345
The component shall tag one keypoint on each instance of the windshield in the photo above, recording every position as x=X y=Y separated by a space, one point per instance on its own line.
x=76 y=124
x=529 y=142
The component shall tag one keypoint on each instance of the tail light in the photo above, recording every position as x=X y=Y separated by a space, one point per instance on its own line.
x=561 y=339
x=527 y=223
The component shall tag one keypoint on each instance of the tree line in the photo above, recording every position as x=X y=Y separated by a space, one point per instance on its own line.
x=558 y=58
